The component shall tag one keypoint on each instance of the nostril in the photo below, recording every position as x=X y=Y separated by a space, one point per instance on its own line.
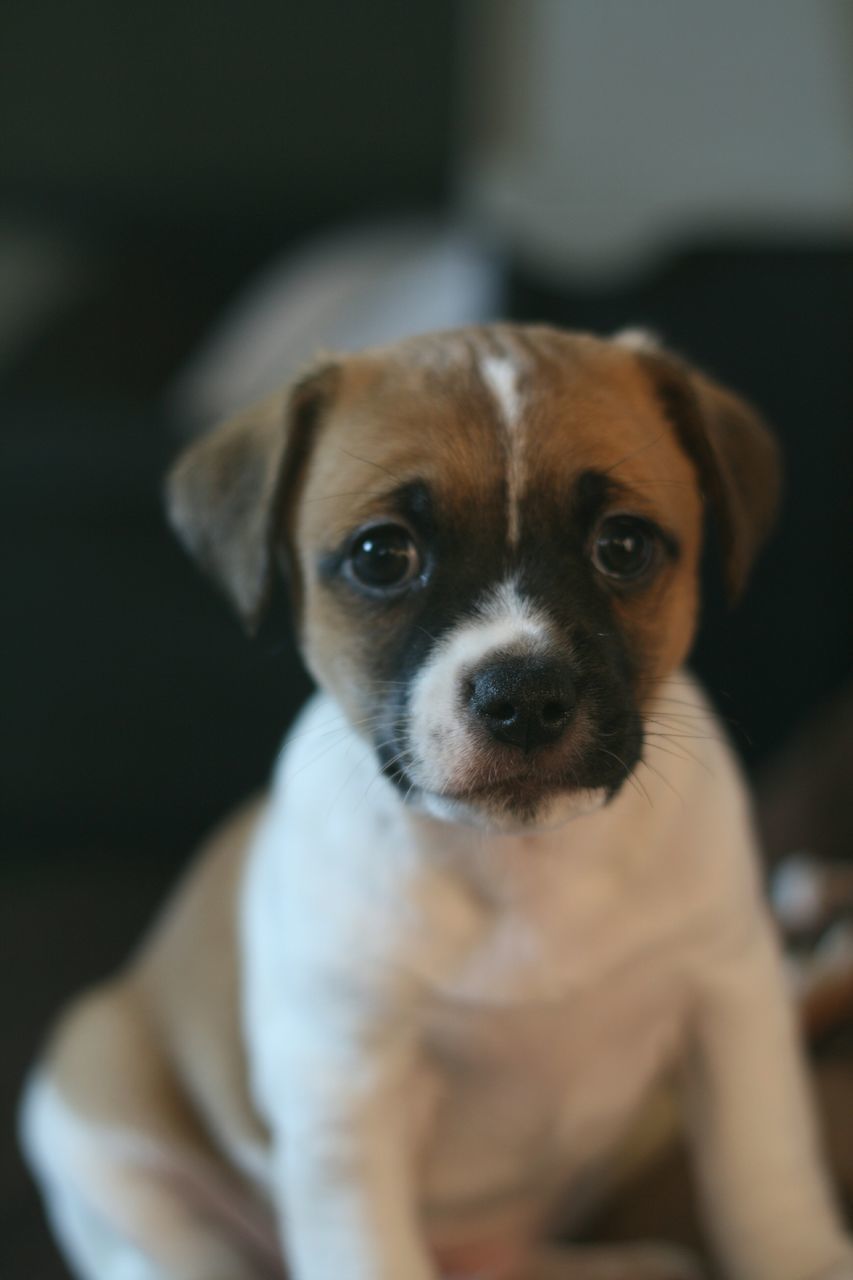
x=553 y=714
x=501 y=710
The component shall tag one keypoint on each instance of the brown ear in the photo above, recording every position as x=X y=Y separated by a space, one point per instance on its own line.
x=227 y=493
x=735 y=454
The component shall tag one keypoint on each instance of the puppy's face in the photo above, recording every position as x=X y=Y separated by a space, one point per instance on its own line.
x=494 y=539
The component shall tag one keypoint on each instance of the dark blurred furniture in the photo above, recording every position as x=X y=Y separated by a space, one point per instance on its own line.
x=206 y=117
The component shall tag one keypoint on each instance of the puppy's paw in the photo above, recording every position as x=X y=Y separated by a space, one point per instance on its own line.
x=626 y=1262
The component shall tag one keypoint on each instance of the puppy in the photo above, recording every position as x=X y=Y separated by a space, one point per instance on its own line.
x=406 y=1008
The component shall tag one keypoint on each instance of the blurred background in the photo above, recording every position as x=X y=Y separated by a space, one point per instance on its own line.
x=196 y=196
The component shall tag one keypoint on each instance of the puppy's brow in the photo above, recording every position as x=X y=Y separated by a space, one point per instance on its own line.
x=414 y=500
x=649 y=444
x=369 y=462
x=593 y=491
x=351 y=493
x=596 y=490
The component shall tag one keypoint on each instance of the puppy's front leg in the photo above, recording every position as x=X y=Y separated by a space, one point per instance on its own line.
x=756 y=1151
x=342 y=1128
x=343 y=948
x=346 y=1185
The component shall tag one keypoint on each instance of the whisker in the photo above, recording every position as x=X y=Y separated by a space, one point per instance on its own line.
x=634 y=452
x=337 y=735
x=338 y=725
x=645 y=764
x=675 y=484
x=699 y=710
x=678 y=731
x=317 y=758
x=690 y=754
x=671 y=751
x=688 y=737
x=347 y=780
x=370 y=463
x=350 y=493
x=630 y=776
x=682 y=731
x=683 y=726
x=681 y=702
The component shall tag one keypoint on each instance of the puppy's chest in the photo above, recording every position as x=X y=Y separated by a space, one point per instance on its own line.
x=537 y=1092
x=553 y=1021
x=576 y=942
x=541 y=1024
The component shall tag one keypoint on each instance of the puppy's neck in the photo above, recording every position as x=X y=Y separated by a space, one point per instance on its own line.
x=330 y=786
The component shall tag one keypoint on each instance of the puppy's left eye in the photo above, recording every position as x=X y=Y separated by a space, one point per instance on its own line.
x=625 y=547
x=384 y=557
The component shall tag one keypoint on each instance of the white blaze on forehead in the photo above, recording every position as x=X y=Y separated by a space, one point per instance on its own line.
x=501 y=373
x=440 y=740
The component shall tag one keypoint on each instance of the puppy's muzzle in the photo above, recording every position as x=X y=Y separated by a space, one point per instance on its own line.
x=525 y=702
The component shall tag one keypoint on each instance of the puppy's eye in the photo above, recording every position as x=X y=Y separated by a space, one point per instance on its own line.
x=625 y=547
x=384 y=557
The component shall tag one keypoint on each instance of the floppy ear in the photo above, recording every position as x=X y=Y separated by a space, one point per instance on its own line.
x=227 y=495
x=735 y=454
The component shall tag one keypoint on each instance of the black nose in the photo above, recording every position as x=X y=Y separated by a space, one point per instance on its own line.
x=525 y=701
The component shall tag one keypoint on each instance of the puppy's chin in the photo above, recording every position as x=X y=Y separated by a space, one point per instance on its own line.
x=505 y=815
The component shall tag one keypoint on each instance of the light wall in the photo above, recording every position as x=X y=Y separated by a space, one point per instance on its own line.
x=600 y=132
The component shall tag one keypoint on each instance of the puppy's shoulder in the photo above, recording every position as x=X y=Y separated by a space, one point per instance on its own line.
x=687 y=748
x=708 y=835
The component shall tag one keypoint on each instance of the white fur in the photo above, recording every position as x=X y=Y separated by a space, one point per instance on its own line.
x=447 y=1031
x=95 y=1180
x=501 y=375
x=444 y=1026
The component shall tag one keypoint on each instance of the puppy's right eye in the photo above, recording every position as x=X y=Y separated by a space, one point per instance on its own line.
x=384 y=557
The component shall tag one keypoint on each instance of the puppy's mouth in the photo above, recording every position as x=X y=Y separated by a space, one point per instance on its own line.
x=506 y=782
x=512 y=781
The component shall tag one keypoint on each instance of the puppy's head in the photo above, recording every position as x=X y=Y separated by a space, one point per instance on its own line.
x=492 y=538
